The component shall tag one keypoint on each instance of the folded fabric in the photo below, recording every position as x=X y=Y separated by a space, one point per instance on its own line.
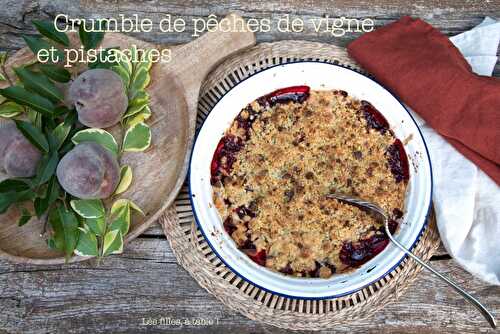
x=465 y=198
x=422 y=67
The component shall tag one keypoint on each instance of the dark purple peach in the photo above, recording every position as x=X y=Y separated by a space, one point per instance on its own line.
x=89 y=171
x=99 y=97
x=18 y=157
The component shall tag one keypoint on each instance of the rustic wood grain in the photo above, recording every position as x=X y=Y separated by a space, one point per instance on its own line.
x=146 y=281
x=451 y=17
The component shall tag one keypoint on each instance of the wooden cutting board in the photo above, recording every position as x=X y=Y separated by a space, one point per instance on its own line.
x=160 y=171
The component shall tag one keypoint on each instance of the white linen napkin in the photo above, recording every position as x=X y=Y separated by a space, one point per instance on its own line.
x=466 y=200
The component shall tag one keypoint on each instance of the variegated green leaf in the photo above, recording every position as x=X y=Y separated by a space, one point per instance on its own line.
x=135 y=109
x=121 y=220
x=95 y=135
x=60 y=132
x=96 y=225
x=138 y=103
x=122 y=202
x=117 y=205
x=113 y=243
x=140 y=117
x=10 y=109
x=125 y=179
x=137 y=138
x=140 y=98
x=135 y=207
x=145 y=62
x=3 y=57
x=139 y=82
x=87 y=243
x=88 y=208
x=124 y=60
x=122 y=72
x=35 y=118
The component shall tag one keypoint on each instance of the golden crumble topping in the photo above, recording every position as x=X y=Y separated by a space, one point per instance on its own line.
x=282 y=156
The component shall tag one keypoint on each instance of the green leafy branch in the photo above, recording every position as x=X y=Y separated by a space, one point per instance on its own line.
x=51 y=127
x=78 y=226
x=47 y=125
x=102 y=233
x=135 y=76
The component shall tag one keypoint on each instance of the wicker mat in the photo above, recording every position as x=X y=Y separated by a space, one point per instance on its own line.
x=194 y=254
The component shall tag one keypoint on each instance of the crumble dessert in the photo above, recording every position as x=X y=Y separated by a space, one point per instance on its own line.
x=280 y=158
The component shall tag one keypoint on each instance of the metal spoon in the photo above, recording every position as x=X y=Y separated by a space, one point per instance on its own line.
x=378 y=210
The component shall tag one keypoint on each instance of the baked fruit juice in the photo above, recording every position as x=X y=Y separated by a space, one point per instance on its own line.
x=282 y=155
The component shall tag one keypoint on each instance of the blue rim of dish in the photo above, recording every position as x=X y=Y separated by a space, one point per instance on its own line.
x=426 y=222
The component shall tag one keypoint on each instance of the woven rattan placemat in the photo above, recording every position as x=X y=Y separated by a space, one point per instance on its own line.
x=194 y=254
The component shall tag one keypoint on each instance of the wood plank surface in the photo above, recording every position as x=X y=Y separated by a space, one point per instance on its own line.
x=146 y=282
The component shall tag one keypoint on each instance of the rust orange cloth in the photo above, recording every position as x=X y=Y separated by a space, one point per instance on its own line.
x=427 y=72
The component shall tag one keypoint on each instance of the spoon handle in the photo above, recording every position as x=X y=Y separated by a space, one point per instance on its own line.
x=372 y=206
x=486 y=314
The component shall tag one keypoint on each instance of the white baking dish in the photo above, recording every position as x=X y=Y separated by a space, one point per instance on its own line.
x=318 y=76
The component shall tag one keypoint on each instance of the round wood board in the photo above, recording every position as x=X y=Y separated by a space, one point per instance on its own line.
x=158 y=173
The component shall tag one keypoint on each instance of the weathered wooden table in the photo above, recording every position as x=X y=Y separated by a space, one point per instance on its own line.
x=124 y=292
